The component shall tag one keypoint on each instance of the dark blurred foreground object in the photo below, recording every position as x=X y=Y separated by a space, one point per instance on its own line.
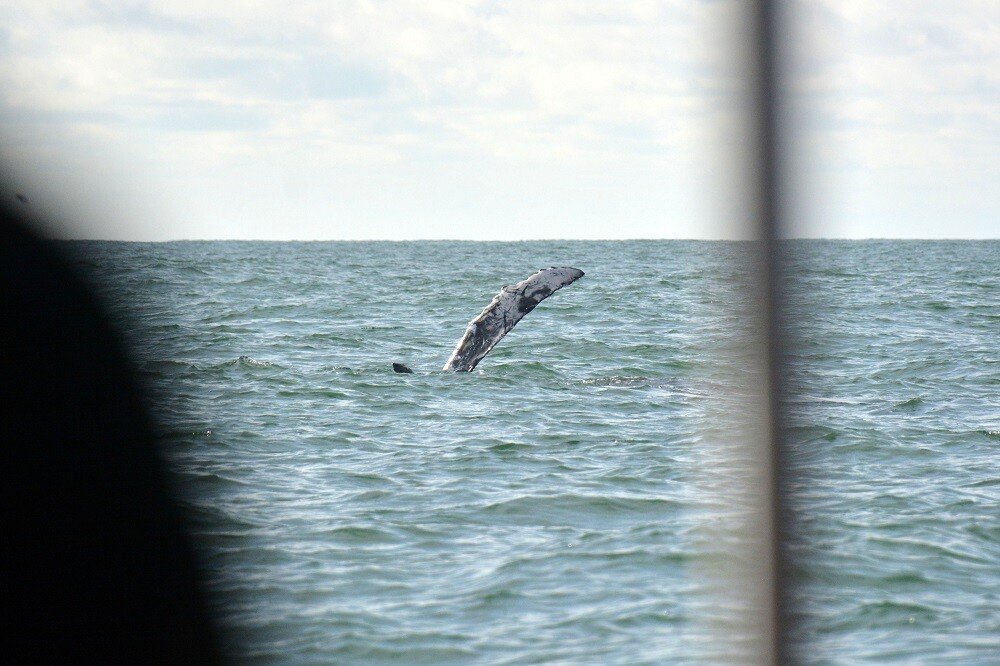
x=97 y=567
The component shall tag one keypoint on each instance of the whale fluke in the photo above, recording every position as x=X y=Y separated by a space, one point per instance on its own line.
x=504 y=311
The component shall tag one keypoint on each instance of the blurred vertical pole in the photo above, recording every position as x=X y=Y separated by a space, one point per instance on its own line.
x=766 y=195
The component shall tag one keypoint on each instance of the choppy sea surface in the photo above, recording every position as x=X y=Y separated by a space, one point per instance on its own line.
x=587 y=494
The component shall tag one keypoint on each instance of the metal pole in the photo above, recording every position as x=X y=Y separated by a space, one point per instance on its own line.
x=767 y=195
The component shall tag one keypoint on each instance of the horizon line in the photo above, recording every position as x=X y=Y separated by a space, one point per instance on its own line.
x=519 y=240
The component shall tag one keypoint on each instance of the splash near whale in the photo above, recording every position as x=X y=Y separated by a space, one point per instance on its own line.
x=502 y=314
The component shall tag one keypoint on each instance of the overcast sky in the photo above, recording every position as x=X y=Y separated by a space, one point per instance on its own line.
x=491 y=120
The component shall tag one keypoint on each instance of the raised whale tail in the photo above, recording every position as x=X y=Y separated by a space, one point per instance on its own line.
x=504 y=311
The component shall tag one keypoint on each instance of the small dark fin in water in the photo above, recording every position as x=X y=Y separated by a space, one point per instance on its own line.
x=399 y=367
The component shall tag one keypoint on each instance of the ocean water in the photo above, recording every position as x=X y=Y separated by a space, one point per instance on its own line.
x=893 y=405
x=587 y=494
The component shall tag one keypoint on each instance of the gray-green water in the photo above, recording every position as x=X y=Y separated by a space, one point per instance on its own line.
x=894 y=404
x=584 y=496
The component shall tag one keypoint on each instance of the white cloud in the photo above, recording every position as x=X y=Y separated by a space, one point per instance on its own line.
x=223 y=101
x=234 y=116
x=894 y=101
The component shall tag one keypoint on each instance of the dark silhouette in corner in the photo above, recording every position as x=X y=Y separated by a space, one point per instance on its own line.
x=98 y=564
